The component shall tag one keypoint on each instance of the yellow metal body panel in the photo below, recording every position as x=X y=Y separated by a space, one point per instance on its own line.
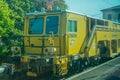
x=111 y=35
x=33 y=50
x=93 y=48
x=75 y=39
x=36 y=45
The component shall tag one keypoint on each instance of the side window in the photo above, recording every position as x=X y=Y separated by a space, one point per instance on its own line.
x=36 y=25
x=72 y=26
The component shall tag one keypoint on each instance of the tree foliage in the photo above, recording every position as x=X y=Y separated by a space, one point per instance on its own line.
x=12 y=14
x=21 y=7
x=7 y=29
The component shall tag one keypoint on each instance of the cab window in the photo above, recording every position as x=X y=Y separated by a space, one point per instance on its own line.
x=36 y=25
x=72 y=26
x=52 y=24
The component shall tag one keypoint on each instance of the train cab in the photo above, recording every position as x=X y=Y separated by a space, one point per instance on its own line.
x=45 y=42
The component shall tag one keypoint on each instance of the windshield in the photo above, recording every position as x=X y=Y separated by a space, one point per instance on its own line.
x=36 y=25
x=52 y=24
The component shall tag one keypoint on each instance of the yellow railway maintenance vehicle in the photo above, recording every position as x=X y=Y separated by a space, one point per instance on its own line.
x=65 y=42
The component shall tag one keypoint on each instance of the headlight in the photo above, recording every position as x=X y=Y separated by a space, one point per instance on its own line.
x=50 y=50
x=47 y=59
x=2 y=70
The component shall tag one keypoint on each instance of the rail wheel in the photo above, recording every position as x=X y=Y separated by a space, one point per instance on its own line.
x=80 y=66
x=91 y=62
x=86 y=63
x=97 y=61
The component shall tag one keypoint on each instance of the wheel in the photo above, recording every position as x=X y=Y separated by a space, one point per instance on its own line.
x=98 y=61
x=86 y=63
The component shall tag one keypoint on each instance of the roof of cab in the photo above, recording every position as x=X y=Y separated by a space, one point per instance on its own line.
x=51 y=12
x=64 y=11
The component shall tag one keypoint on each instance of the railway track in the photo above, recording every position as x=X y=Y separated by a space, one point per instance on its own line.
x=100 y=72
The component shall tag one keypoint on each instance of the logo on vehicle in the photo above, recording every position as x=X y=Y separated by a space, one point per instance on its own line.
x=72 y=41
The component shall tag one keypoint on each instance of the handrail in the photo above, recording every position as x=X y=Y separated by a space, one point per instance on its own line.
x=83 y=45
x=88 y=39
x=108 y=27
x=91 y=36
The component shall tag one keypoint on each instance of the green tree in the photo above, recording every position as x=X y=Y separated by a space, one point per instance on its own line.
x=7 y=29
x=21 y=7
x=38 y=4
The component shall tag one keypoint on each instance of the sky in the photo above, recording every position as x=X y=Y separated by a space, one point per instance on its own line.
x=91 y=7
